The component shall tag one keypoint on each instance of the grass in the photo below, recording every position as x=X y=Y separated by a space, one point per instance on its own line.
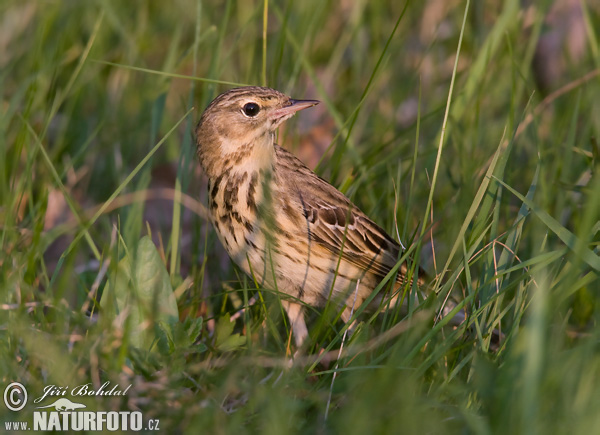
x=99 y=100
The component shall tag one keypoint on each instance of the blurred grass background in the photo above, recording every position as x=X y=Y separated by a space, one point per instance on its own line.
x=97 y=151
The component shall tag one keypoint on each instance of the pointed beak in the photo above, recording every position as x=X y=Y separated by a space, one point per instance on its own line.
x=302 y=104
x=294 y=106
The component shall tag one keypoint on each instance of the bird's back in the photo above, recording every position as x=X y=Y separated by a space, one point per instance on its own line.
x=341 y=241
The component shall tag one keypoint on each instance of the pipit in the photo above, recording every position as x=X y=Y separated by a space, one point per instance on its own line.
x=283 y=225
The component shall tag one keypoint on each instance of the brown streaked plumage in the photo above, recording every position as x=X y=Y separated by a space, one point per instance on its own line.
x=278 y=220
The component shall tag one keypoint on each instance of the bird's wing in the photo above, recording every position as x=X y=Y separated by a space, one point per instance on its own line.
x=337 y=224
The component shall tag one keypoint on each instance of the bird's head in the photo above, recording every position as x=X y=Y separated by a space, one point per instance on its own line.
x=242 y=119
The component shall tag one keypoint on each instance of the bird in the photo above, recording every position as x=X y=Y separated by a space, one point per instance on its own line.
x=283 y=225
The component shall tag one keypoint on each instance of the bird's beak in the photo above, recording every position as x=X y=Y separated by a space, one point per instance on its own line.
x=293 y=107
x=302 y=104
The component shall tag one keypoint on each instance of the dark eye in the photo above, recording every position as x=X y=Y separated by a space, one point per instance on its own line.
x=251 y=109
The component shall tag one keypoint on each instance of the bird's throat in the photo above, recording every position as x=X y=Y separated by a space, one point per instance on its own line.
x=257 y=155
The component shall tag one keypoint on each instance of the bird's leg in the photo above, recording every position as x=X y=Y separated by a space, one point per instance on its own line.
x=351 y=304
x=295 y=313
x=346 y=316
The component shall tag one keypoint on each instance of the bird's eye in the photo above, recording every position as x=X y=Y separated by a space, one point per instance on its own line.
x=251 y=109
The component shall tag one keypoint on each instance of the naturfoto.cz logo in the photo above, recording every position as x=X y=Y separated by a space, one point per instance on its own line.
x=63 y=414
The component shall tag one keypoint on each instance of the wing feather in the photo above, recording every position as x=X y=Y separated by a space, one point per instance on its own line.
x=335 y=223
